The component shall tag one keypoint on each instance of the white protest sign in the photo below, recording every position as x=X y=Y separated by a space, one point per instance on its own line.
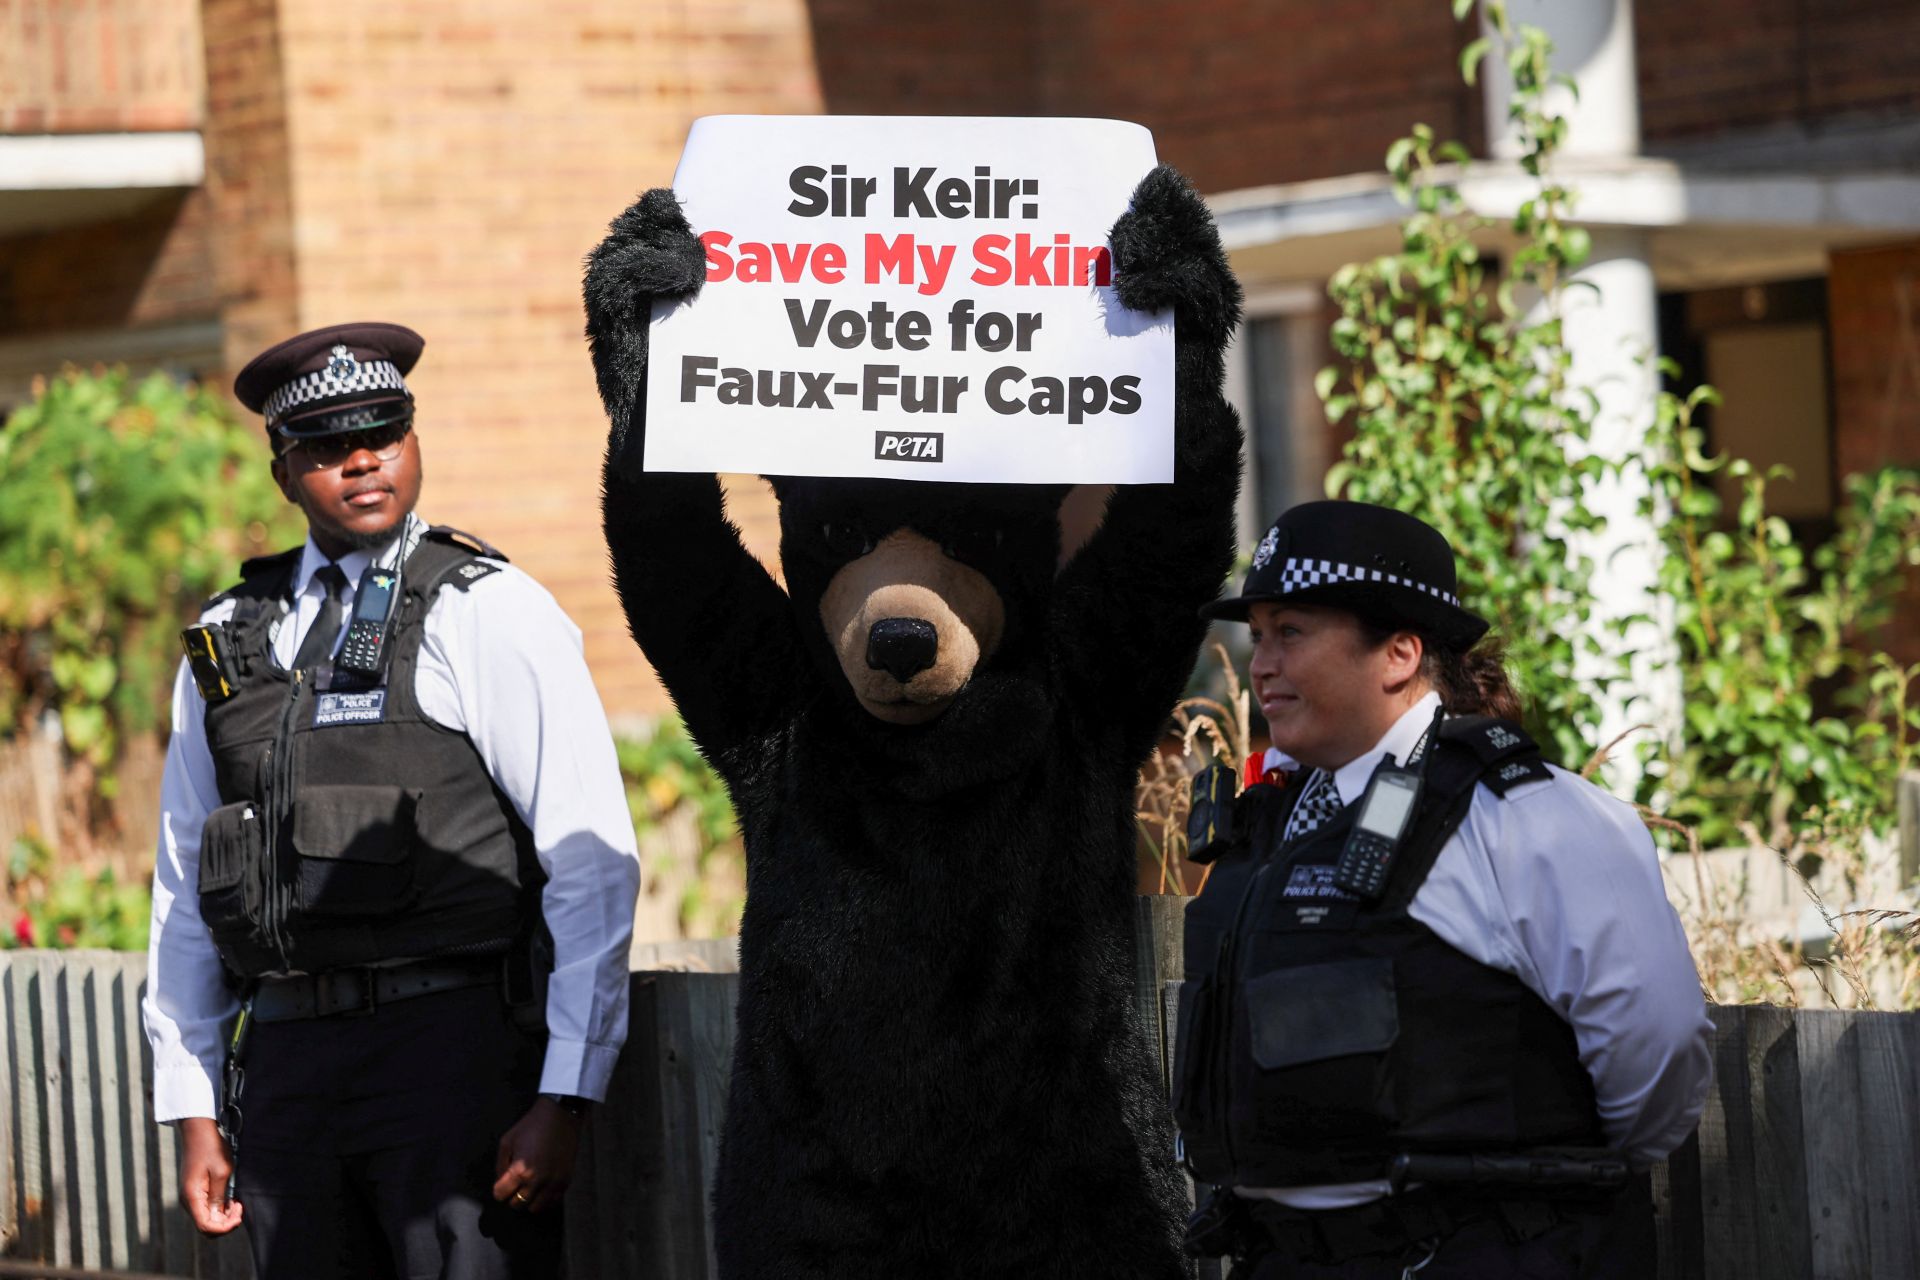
x=911 y=298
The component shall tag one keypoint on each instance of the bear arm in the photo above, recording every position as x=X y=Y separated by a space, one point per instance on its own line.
x=717 y=629
x=708 y=616
x=1126 y=611
x=1126 y=608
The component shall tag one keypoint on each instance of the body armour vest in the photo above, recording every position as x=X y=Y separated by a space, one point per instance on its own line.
x=352 y=829
x=1321 y=1035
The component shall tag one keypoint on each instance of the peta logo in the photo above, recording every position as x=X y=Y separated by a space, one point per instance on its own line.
x=1503 y=738
x=908 y=446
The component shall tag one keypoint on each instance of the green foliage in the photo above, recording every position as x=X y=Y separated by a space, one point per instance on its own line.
x=1459 y=404
x=1795 y=728
x=122 y=506
x=67 y=908
x=684 y=823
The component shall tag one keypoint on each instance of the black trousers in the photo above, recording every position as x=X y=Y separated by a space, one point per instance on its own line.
x=1613 y=1241
x=368 y=1144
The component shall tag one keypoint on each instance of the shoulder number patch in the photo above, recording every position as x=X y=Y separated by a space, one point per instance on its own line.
x=468 y=574
x=1506 y=777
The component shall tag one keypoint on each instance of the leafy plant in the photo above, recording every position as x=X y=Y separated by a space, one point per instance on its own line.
x=1458 y=398
x=122 y=505
x=65 y=908
x=684 y=823
x=1796 y=727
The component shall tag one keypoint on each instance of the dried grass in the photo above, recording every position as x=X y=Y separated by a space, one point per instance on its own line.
x=1207 y=730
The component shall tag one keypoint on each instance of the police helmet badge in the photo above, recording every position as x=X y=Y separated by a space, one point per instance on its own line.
x=342 y=366
x=1268 y=545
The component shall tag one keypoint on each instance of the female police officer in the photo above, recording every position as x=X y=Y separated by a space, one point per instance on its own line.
x=1439 y=1016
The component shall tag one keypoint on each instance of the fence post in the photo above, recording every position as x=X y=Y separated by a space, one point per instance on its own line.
x=641 y=1204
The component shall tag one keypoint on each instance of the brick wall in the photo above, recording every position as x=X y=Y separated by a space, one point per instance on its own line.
x=877 y=58
x=1873 y=301
x=99 y=66
x=153 y=268
x=249 y=175
x=1237 y=94
x=1725 y=66
x=447 y=164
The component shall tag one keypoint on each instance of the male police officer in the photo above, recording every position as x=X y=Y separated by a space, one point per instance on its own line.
x=390 y=807
x=1439 y=1017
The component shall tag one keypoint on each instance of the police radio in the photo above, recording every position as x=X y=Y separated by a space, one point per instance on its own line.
x=363 y=651
x=1385 y=811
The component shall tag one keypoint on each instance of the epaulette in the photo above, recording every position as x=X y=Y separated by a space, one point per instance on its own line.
x=466 y=542
x=256 y=571
x=1508 y=755
x=265 y=564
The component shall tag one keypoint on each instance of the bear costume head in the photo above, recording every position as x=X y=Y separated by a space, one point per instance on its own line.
x=917 y=593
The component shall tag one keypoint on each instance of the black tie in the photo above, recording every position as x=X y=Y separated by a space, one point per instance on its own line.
x=318 y=645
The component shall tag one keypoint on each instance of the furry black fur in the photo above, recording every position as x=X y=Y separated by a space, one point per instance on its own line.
x=939 y=1070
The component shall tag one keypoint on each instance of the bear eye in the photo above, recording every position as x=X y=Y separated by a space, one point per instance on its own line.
x=975 y=544
x=844 y=538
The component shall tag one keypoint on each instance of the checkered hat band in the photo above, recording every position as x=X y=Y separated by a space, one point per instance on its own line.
x=1300 y=575
x=308 y=388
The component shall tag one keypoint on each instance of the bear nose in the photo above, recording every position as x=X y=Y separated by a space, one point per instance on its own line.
x=902 y=647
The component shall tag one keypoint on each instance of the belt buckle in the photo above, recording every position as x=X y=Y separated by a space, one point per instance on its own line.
x=359 y=982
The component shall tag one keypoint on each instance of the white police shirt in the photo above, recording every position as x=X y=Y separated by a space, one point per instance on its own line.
x=502 y=663
x=1559 y=885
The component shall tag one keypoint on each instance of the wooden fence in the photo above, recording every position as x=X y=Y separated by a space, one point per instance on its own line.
x=1807 y=1163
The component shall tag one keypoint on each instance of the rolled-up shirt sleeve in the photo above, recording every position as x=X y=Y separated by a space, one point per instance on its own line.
x=501 y=661
x=187 y=1001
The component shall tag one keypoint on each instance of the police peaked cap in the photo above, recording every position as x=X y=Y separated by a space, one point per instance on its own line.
x=345 y=377
x=1379 y=563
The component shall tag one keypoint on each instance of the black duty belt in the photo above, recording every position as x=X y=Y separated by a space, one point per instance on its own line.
x=320 y=995
x=1421 y=1218
x=1387 y=1225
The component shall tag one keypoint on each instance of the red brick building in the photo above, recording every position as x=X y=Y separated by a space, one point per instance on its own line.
x=184 y=181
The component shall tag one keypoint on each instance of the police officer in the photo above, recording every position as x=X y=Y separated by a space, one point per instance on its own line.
x=390 y=810
x=1439 y=1018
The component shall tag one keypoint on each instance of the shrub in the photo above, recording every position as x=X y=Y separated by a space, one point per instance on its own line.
x=122 y=505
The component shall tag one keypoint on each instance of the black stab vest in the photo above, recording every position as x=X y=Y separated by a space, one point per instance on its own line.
x=352 y=829
x=1320 y=1036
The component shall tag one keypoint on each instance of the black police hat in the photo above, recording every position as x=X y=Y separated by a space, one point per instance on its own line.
x=1375 y=561
x=346 y=377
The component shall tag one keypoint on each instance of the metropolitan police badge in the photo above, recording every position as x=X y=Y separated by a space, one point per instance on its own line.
x=1268 y=545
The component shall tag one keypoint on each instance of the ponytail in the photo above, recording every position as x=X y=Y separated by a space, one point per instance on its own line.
x=1473 y=683
x=1470 y=683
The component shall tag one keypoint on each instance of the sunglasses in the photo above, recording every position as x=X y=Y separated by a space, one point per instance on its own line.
x=324 y=453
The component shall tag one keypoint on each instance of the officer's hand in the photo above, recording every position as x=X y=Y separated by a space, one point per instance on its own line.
x=205 y=1166
x=535 y=1162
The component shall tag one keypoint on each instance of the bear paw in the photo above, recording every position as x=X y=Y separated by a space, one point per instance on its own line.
x=1167 y=253
x=650 y=252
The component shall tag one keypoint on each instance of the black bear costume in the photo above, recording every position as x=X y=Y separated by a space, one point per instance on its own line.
x=931 y=739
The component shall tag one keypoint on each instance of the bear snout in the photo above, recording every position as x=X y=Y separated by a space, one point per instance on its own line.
x=902 y=647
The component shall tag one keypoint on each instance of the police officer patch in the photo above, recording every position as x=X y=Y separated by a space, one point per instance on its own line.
x=331 y=709
x=1312 y=900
